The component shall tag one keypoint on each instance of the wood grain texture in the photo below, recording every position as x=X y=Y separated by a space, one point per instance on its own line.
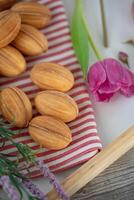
x=91 y=169
x=115 y=183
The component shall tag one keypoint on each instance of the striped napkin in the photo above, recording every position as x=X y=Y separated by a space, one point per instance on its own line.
x=86 y=142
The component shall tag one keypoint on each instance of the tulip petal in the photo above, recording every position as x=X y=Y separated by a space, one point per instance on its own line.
x=128 y=91
x=96 y=76
x=108 y=88
x=102 y=97
x=116 y=73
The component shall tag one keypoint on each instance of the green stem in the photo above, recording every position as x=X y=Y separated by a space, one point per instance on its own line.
x=90 y=39
x=104 y=24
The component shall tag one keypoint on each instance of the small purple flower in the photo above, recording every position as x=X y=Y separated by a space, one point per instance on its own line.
x=52 y=179
x=107 y=77
x=9 y=188
x=123 y=57
x=34 y=189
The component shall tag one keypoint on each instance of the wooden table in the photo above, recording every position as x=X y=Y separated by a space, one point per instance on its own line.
x=115 y=183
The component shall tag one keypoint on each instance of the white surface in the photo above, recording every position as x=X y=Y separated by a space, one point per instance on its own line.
x=116 y=116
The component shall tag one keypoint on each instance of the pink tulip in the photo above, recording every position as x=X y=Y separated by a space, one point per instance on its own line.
x=107 y=77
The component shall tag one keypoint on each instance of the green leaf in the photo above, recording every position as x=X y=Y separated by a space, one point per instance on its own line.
x=25 y=151
x=32 y=198
x=80 y=38
x=17 y=185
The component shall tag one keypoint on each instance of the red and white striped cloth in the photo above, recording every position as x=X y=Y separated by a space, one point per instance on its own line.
x=86 y=142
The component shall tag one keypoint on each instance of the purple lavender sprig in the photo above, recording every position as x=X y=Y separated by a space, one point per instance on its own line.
x=13 y=189
x=34 y=189
x=52 y=179
x=9 y=188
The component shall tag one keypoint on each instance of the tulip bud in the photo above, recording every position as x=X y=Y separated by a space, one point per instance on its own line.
x=123 y=57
